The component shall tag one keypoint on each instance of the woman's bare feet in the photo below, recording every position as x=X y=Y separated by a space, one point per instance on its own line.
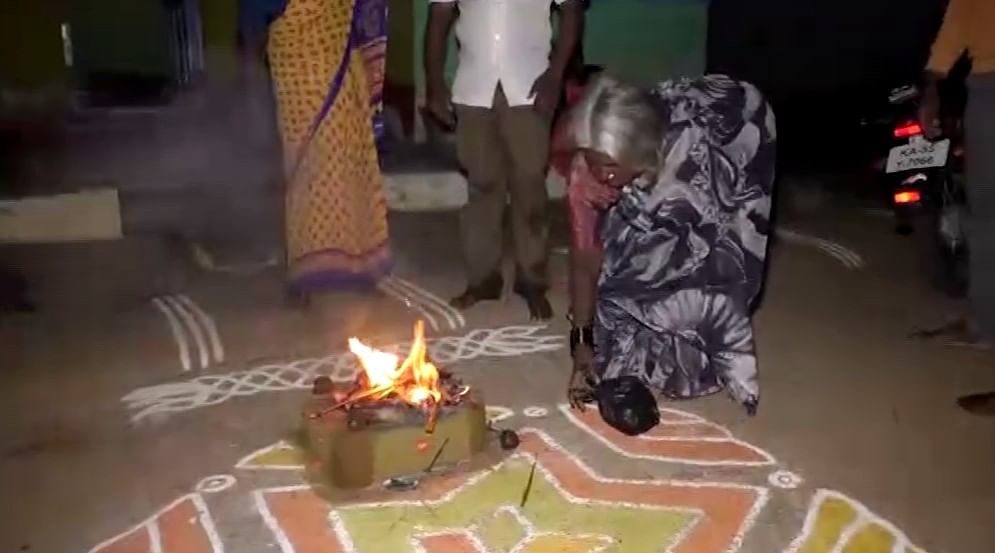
x=488 y=290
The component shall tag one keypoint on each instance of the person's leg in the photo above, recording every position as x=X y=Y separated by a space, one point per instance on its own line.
x=980 y=173
x=526 y=137
x=481 y=154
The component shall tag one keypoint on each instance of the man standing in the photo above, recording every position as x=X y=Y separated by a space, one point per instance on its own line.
x=506 y=89
x=967 y=27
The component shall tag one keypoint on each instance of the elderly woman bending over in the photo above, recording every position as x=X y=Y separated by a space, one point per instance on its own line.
x=669 y=194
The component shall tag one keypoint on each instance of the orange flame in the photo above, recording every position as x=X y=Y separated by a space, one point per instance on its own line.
x=415 y=380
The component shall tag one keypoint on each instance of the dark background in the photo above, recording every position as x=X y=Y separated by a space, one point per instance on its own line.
x=824 y=64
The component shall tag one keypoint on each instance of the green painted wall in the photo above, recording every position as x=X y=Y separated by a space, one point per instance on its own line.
x=643 y=40
x=121 y=36
x=647 y=40
x=220 y=20
x=640 y=40
x=220 y=24
x=31 y=42
x=419 y=20
x=401 y=47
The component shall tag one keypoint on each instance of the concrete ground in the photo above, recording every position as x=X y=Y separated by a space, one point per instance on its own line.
x=146 y=410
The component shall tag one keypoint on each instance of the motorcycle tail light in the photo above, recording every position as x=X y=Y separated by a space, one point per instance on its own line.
x=905 y=197
x=907 y=129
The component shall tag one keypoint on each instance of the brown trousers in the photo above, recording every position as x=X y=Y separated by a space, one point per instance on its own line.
x=504 y=151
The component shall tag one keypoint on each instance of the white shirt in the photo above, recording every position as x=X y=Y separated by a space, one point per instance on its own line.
x=501 y=41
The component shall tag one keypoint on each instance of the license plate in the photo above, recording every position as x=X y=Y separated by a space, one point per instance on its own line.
x=918 y=154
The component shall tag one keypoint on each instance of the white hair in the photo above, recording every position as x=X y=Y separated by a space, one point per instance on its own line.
x=619 y=120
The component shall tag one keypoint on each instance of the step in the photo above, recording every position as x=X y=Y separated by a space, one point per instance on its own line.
x=442 y=190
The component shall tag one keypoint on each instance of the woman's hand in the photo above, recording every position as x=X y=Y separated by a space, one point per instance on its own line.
x=579 y=391
x=929 y=109
x=586 y=189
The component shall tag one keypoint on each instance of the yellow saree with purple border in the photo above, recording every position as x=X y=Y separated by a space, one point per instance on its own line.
x=327 y=59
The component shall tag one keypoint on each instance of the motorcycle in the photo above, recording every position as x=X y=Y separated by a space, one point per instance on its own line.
x=926 y=185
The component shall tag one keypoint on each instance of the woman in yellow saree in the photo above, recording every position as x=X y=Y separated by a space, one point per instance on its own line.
x=326 y=60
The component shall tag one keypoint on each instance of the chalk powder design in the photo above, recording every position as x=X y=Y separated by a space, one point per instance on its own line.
x=572 y=507
x=208 y=390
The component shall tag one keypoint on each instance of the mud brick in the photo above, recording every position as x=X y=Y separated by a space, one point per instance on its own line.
x=360 y=455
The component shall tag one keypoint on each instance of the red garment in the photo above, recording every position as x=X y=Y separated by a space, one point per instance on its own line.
x=585 y=218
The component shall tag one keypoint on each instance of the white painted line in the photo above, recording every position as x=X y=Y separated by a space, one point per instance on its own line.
x=863 y=516
x=784 y=479
x=846 y=256
x=215 y=483
x=345 y=538
x=768 y=459
x=207 y=523
x=177 y=329
x=535 y=412
x=208 y=323
x=452 y=315
x=471 y=535
x=386 y=287
x=498 y=413
x=155 y=537
x=193 y=328
x=274 y=526
x=246 y=463
x=847 y=534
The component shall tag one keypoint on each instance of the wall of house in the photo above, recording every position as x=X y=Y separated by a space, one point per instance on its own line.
x=643 y=40
x=640 y=40
x=647 y=40
x=121 y=36
x=220 y=24
x=31 y=42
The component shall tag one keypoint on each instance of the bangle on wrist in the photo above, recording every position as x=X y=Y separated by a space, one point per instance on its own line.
x=581 y=335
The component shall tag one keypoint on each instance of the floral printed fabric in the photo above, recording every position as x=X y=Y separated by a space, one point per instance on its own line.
x=684 y=252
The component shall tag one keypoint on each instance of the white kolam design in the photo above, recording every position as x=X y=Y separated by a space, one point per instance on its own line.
x=216 y=483
x=208 y=390
x=535 y=412
x=784 y=479
x=428 y=305
x=846 y=256
x=191 y=327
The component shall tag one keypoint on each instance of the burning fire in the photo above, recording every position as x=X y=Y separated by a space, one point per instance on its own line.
x=414 y=380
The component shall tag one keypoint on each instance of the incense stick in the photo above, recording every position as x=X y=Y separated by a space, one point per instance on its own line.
x=435 y=458
x=528 y=484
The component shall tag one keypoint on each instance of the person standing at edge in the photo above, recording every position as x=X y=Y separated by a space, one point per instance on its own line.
x=967 y=27
x=506 y=89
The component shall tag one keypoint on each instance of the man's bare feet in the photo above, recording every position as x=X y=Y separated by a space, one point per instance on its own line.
x=535 y=298
x=488 y=290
